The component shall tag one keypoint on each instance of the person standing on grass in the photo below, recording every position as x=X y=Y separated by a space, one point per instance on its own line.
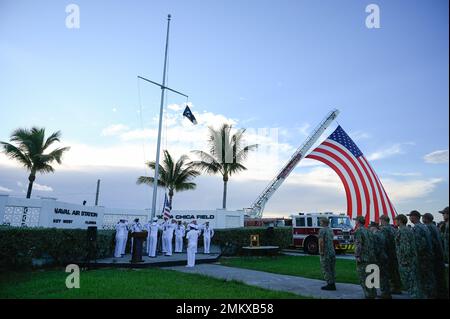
x=382 y=260
x=192 y=237
x=405 y=248
x=438 y=254
x=445 y=233
x=364 y=255
x=424 y=249
x=389 y=231
x=327 y=254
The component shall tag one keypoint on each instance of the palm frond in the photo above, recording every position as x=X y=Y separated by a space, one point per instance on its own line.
x=149 y=181
x=52 y=139
x=15 y=153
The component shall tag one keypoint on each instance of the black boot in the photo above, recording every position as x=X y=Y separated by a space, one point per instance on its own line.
x=329 y=287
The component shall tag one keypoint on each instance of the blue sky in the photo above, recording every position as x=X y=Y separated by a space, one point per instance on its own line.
x=261 y=64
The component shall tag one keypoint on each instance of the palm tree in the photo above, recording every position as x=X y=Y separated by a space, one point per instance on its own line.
x=226 y=155
x=174 y=176
x=29 y=151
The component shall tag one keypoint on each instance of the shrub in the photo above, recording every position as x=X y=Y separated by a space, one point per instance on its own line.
x=19 y=247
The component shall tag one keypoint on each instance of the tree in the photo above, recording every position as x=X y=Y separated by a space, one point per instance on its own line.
x=226 y=155
x=176 y=177
x=29 y=151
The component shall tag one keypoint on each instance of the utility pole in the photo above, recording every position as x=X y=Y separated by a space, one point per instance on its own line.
x=161 y=108
x=97 y=192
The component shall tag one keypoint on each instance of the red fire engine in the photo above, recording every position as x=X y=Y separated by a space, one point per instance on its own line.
x=306 y=226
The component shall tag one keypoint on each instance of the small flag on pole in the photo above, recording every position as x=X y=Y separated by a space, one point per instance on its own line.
x=187 y=112
x=167 y=208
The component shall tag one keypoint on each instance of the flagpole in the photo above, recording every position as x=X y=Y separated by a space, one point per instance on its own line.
x=158 y=145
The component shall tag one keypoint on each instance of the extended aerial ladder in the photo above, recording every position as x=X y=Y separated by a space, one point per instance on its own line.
x=258 y=205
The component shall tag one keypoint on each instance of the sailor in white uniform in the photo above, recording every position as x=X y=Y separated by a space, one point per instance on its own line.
x=179 y=234
x=124 y=246
x=208 y=233
x=169 y=236
x=121 y=238
x=192 y=237
x=164 y=226
x=152 y=237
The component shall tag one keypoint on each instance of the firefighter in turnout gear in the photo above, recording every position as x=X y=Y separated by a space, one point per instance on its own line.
x=389 y=232
x=364 y=255
x=327 y=254
x=424 y=248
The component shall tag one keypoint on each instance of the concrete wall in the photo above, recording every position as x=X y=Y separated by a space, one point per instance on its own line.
x=49 y=212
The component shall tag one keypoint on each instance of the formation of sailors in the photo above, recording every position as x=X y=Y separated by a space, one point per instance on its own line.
x=163 y=233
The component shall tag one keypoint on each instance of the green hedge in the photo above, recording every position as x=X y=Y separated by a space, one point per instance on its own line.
x=22 y=247
x=25 y=247
x=232 y=240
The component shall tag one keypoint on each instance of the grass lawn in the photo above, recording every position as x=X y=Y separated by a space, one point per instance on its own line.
x=303 y=266
x=127 y=283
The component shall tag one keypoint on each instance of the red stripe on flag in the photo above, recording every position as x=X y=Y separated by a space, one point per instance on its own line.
x=378 y=186
x=350 y=173
x=358 y=171
x=374 y=193
x=341 y=176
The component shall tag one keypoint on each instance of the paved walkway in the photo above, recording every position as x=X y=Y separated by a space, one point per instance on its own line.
x=294 y=284
x=290 y=252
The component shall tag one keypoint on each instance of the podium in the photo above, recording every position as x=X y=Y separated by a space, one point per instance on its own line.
x=138 y=240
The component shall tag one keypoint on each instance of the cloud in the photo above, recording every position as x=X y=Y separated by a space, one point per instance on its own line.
x=5 y=189
x=406 y=174
x=437 y=157
x=401 y=191
x=304 y=129
x=175 y=107
x=359 y=135
x=393 y=150
x=114 y=129
x=42 y=188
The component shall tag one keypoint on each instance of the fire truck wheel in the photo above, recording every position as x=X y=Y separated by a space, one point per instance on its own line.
x=311 y=246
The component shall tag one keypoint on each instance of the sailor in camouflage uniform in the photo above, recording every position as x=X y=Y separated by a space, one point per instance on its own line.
x=327 y=254
x=382 y=259
x=444 y=233
x=407 y=256
x=389 y=231
x=424 y=248
x=364 y=255
x=438 y=256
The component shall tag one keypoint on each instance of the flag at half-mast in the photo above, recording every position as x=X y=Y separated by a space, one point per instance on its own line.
x=365 y=193
x=167 y=207
x=188 y=113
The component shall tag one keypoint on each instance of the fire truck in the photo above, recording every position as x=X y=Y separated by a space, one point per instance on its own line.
x=306 y=227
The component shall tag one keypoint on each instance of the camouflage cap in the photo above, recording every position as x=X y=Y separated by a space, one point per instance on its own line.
x=385 y=218
x=324 y=220
x=444 y=211
x=428 y=216
x=402 y=218
x=414 y=213
x=360 y=219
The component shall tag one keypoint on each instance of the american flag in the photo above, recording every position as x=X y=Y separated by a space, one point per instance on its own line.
x=167 y=207
x=365 y=193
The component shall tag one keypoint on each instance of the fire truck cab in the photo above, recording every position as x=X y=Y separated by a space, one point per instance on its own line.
x=306 y=226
